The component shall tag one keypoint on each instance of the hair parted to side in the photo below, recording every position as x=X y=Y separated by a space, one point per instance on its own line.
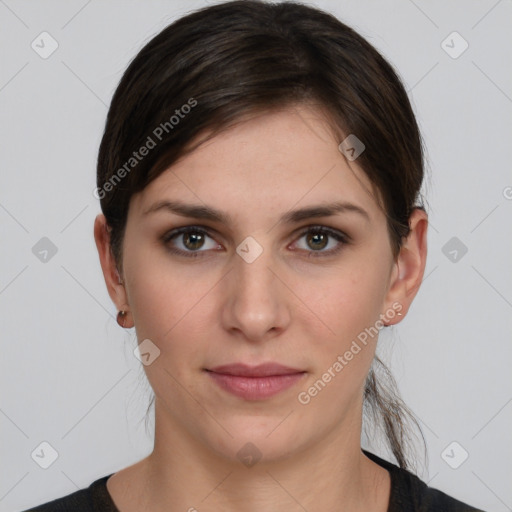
x=215 y=67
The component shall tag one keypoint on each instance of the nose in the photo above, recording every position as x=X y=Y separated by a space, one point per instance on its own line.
x=256 y=306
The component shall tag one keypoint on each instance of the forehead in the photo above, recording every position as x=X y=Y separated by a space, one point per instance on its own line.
x=267 y=162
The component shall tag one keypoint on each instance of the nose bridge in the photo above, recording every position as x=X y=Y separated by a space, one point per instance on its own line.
x=252 y=270
x=256 y=302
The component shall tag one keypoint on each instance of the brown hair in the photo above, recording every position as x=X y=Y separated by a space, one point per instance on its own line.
x=215 y=66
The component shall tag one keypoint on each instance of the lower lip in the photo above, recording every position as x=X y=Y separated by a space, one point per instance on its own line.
x=255 y=388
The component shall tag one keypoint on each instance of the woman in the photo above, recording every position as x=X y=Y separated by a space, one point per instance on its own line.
x=259 y=179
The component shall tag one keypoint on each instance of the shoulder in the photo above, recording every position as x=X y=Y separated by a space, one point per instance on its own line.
x=415 y=495
x=410 y=494
x=79 y=501
x=94 y=498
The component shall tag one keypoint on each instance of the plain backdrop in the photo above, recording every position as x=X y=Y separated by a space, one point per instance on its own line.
x=68 y=374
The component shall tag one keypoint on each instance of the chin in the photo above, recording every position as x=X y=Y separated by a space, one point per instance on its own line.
x=259 y=440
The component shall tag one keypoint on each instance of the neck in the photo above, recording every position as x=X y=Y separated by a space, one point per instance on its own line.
x=332 y=474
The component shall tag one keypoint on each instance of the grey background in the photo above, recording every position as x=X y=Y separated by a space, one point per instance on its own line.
x=68 y=373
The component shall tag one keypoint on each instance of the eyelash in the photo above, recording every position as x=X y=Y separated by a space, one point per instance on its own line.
x=337 y=235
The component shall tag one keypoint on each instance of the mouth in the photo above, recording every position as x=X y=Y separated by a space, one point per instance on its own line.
x=255 y=382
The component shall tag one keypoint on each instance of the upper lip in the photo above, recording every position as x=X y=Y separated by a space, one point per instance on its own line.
x=261 y=370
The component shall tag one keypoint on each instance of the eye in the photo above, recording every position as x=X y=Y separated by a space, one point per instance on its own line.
x=192 y=241
x=189 y=240
x=317 y=239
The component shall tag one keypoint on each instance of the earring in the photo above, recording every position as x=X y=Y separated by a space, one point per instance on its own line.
x=387 y=325
x=121 y=317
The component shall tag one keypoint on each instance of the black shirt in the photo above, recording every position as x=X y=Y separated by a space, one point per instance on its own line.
x=408 y=494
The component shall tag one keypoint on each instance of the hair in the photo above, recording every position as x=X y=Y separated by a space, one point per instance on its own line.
x=213 y=68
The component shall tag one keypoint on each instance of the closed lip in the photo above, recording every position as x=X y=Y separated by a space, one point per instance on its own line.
x=261 y=370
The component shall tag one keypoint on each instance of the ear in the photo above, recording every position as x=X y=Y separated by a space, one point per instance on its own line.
x=408 y=269
x=113 y=280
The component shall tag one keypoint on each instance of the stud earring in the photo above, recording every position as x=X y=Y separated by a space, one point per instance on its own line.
x=121 y=317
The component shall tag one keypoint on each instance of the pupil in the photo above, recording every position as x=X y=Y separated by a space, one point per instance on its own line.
x=195 y=239
x=317 y=237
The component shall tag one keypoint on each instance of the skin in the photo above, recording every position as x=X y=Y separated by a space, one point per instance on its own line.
x=284 y=307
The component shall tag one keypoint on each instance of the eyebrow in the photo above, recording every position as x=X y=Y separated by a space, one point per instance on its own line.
x=294 y=216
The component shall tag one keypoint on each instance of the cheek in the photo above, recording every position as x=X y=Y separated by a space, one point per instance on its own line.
x=170 y=313
x=349 y=300
x=167 y=300
x=349 y=305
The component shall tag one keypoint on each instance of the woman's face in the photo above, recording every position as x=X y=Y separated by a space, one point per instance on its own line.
x=257 y=287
